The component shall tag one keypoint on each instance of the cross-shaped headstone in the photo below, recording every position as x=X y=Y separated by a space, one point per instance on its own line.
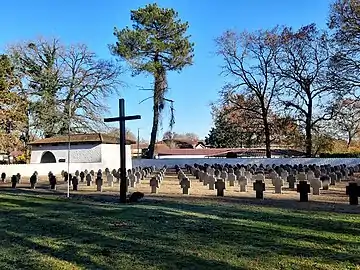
x=243 y=183
x=304 y=189
x=278 y=183
x=154 y=184
x=259 y=187
x=211 y=182
x=75 y=182
x=89 y=180
x=231 y=179
x=353 y=191
x=122 y=119
x=33 y=180
x=220 y=186
x=291 y=179
x=185 y=185
x=316 y=185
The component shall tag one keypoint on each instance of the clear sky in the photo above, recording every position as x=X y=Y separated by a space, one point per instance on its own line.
x=92 y=22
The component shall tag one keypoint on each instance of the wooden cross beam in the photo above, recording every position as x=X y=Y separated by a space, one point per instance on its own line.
x=122 y=119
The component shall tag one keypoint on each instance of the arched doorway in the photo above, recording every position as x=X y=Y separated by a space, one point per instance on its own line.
x=48 y=157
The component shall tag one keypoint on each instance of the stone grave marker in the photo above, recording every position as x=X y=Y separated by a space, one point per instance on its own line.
x=3 y=177
x=196 y=173
x=284 y=175
x=333 y=178
x=291 y=180
x=249 y=175
x=154 y=184
x=220 y=187
x=138 y=177
x=18 y=175
x=211 y=182
x=353 y=191
x=52 y=180
x=99 y=173
x=110 y=180
x=33 y=180
x=75 y=182
x=66 y=176
x=259 y=187
x=89 y=179
x=185 y=185
x=14 y=181
x=242 y=171
x=310 y=176
x=82 y=176
x=132 y=180
x=272 y=176
x=278 y=183
x=339 y=176
x=316 y=186
x=259 y=176
x=231 y=179
x=70 y=179
x=99 y=182
x=224 y=175
x=325 y=182
x=243 y=181
x=304 y=189
x=302 y=176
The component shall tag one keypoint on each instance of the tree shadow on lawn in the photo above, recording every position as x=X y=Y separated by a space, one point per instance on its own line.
x=41 y=190
x=158 y=233
x=149 y=248
x=286 y=204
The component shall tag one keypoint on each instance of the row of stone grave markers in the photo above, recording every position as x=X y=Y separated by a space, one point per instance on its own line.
x=134 y=176
x=318 y=176
x=155 y=181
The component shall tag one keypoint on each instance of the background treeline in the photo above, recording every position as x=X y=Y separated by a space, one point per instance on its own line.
x=292 y=87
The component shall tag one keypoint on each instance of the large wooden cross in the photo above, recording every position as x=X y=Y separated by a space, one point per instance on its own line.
x=122 y=119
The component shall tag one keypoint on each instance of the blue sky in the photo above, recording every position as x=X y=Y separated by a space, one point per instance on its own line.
x=92 y=22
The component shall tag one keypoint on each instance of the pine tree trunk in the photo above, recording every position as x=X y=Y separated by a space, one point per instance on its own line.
x=154 y=129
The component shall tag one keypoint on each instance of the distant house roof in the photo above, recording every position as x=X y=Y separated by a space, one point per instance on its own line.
x=81 y=138
x=192 y=152
x=141 y=146
x=16 y=153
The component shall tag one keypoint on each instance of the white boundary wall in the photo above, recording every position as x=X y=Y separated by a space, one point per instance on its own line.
x=110 y=159
x=291 y=161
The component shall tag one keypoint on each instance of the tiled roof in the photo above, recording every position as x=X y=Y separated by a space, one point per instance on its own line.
x=141 y=145
x=187 y=152
x=81 y=138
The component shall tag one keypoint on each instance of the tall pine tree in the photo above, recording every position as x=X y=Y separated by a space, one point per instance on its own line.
x=156 y=44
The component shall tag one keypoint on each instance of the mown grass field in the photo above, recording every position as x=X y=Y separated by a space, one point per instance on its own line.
x=39 y=230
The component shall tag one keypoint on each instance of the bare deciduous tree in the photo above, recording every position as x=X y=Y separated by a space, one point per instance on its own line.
x=249 y=60
x=302 y=63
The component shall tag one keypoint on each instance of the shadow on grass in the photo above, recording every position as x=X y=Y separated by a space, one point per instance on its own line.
x=95 y=232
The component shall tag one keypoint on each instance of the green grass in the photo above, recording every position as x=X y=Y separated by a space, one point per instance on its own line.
x=49 y=232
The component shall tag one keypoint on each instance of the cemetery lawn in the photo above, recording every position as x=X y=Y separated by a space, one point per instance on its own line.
x=46 y=231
